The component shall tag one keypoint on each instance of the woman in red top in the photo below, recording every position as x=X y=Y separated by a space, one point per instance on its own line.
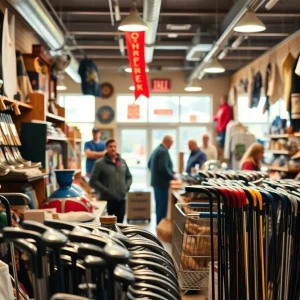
x=251 y=160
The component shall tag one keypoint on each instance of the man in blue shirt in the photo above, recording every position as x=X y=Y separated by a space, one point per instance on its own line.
x=94 y=150
x=197 y=157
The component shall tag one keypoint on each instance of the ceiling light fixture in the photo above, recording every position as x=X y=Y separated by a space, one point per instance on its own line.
x=238 y=41
x=179 y=26
x=60 y=85
x=214 y=66
x=129 y=70
x=193 y=86
x=132 y=88
x=223 y=54
x=172 y=35
x=270 y=4
x=250 y=23
x=133 y=22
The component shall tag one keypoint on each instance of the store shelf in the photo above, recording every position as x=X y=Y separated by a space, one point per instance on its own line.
x=283 y=169
x=280 y=152
x=281 y=136
x=20 y=104
x=9 y=178
x=57 y=138
x=54 y=118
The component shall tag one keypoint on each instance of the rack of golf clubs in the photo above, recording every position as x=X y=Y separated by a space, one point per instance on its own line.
x=87 y=261
x=258 y=245
x=10 y=156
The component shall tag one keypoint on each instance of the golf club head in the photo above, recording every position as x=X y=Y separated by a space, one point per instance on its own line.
x=115 y=254
x=94 y=262
x=124 y=275
x=54 y=239
x=35 y=226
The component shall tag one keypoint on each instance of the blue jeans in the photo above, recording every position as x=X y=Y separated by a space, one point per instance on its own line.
x=161 y=196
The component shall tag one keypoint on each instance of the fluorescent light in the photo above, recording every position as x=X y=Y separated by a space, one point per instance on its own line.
x=223 y=54
x=250 y=23
x=172 y=35
x=238 y=41
x=117 y=12
x=179 y=26
x=133 y=22
x=214 y=67
x=132 y=88
x=193 y=86
x=271 y=4
x=129 y=70
x=60 y=85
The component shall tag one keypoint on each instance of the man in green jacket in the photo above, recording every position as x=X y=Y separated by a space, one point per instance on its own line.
x=112 y=179
x=161 y=167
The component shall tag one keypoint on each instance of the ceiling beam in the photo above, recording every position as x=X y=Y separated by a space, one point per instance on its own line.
x=156 y=57
x=114 y=33
x=252 y=48
x=178 y=14
x=266 y=34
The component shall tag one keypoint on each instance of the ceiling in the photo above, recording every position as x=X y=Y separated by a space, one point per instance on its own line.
x=89 y=24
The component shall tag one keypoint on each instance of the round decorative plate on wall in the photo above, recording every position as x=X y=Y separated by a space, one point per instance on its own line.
x=106 y=90
x=105 y=114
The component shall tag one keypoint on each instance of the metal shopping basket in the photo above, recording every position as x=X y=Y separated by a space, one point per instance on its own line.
x=191 y=247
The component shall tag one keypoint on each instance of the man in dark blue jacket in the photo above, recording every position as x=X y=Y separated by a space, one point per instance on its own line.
x=197 y=156
x=161 y=167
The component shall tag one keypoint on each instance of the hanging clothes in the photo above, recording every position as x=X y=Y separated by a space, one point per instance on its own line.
x=295 y=98
x=230 y=129
x=256 y=89
x=23 y=79
x=9 y=56
x=287 y=70
x=267 y=79
x=90 y=79
x=275 y=88
x=239 y=143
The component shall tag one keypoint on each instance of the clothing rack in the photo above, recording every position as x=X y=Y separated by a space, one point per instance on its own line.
x=258 y=245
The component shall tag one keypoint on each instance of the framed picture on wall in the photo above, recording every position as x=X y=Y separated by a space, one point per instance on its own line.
x=107 y=133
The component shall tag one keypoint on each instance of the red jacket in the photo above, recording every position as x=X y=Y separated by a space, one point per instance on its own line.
x=249 y=166
x=223 y=117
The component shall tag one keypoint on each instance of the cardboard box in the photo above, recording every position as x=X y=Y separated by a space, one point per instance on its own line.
x=139 y=205
x=39 y=215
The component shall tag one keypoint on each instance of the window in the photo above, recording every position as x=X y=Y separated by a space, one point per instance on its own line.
x=164 y=109
x=195 y=109
x=122 y=109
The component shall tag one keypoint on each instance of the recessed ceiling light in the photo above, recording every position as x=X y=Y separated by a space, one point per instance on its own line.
x=172 y=35
x=250 y=23
x=179 y=26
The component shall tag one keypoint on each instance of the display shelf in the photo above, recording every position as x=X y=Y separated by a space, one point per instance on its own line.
x=57 y=138
x=20 y=104
x=283 y=169
x=281 y=136
x=280 y=152
x=22 y=179
x=54 y=118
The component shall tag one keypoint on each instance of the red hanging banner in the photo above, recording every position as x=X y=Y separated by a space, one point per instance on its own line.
x=135 y=42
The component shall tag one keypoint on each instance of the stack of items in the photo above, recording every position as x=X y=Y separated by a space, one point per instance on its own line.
x=257 y=241
x=12 y=164
x=93 y=261
x=54 y=132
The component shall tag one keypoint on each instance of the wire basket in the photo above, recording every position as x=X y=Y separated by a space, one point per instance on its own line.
x=191 y=245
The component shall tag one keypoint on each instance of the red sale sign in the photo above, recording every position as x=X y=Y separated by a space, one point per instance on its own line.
x=135 y=42
x=160 y=85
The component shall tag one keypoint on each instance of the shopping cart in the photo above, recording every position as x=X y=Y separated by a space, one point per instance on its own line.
x=191 y=247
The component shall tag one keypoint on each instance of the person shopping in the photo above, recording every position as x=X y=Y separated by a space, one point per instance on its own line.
x=209 y=149
x=112 y=179
x=197 y=156
x=161 y=168
x=252 y=159
x=94 y=150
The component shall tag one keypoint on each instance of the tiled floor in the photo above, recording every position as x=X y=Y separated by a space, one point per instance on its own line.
x=152 y=228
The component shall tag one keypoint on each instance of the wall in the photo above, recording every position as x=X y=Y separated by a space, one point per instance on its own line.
x=121 y=82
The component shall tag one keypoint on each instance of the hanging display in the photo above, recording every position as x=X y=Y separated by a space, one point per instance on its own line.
x=136 y=53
